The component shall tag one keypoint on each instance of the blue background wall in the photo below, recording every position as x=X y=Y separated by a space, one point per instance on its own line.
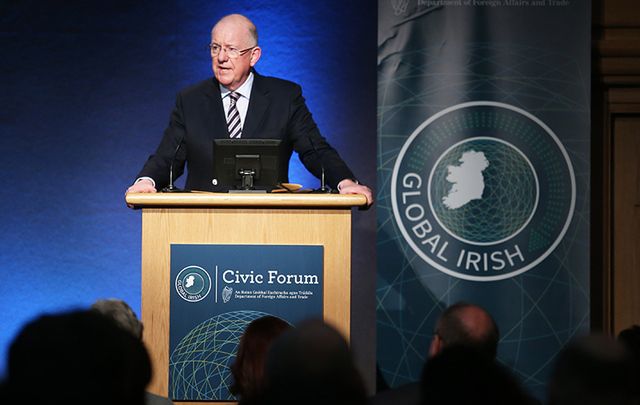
x=87 y=88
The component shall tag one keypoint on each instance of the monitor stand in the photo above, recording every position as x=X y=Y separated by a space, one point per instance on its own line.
x=247 y=182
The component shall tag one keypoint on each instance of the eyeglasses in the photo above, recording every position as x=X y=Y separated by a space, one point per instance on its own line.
x=231 y=52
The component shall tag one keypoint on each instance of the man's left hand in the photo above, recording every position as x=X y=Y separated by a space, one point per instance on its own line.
x=348 y=186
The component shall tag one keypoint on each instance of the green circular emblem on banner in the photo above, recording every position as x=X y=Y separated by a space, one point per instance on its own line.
x=483 y=191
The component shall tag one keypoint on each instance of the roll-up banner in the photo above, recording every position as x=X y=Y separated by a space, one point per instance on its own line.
x=483 y=176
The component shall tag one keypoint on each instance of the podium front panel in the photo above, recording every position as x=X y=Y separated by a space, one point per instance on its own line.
x=162 y=227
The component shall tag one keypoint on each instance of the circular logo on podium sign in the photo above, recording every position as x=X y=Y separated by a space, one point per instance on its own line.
x=483 y=191
x=193 y=283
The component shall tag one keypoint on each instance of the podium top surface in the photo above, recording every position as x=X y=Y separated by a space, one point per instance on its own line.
x=274 y=200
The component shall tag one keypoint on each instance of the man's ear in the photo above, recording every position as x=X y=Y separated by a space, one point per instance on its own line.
x=255 y=55
x=436 y=345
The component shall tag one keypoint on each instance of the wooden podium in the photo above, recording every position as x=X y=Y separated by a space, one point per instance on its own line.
x=211 y=218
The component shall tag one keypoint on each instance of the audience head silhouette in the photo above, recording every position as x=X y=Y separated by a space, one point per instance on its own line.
x=312 y=364
x=630 y=338
x=248 y=367
x=464 y=324
x=463 y=375
x=79 y=357
x=593 y=370
x=121 y=313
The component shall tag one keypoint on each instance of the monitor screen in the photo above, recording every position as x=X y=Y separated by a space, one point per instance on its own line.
x=248 y=164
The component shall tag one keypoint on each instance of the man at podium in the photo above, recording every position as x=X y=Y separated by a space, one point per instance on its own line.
x=240 y=103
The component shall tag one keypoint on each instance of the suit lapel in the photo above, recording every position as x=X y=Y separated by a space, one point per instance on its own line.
x=258 y=105
x=216 y=122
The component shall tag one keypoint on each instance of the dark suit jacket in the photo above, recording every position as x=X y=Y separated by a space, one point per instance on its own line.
x=277 y=110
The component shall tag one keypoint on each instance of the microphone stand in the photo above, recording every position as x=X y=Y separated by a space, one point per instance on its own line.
x=171 y=188
x=324 y=189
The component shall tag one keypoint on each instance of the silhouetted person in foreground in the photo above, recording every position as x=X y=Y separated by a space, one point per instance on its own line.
x=248 y=367
x=593 y=370
x=121 y=313
x=74 y=358
x=312 y=364
x=4 y=394
x=630 y=338
x=463 y=375
x=461 y=324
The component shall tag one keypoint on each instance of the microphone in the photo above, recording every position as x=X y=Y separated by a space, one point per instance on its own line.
x=323 y=185
x=171 y=188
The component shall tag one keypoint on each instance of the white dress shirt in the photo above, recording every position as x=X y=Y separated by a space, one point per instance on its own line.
x=243 y=101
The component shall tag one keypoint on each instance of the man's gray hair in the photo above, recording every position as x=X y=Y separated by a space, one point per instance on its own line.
x=120 y=312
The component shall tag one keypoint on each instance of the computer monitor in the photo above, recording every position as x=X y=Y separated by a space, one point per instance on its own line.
x=248 y=165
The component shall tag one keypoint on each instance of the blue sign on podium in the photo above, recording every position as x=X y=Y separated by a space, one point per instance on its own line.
x=216 y=291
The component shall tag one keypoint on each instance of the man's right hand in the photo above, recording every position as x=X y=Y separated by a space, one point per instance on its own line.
x=142 y=186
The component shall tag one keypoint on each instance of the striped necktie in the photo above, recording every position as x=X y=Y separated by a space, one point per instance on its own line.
x=233 y=118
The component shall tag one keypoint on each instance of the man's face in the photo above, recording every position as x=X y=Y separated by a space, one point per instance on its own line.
x=229 y=72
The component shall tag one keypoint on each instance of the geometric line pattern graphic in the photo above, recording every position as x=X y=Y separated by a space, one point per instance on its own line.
x=199 y=365
x=506 y=198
